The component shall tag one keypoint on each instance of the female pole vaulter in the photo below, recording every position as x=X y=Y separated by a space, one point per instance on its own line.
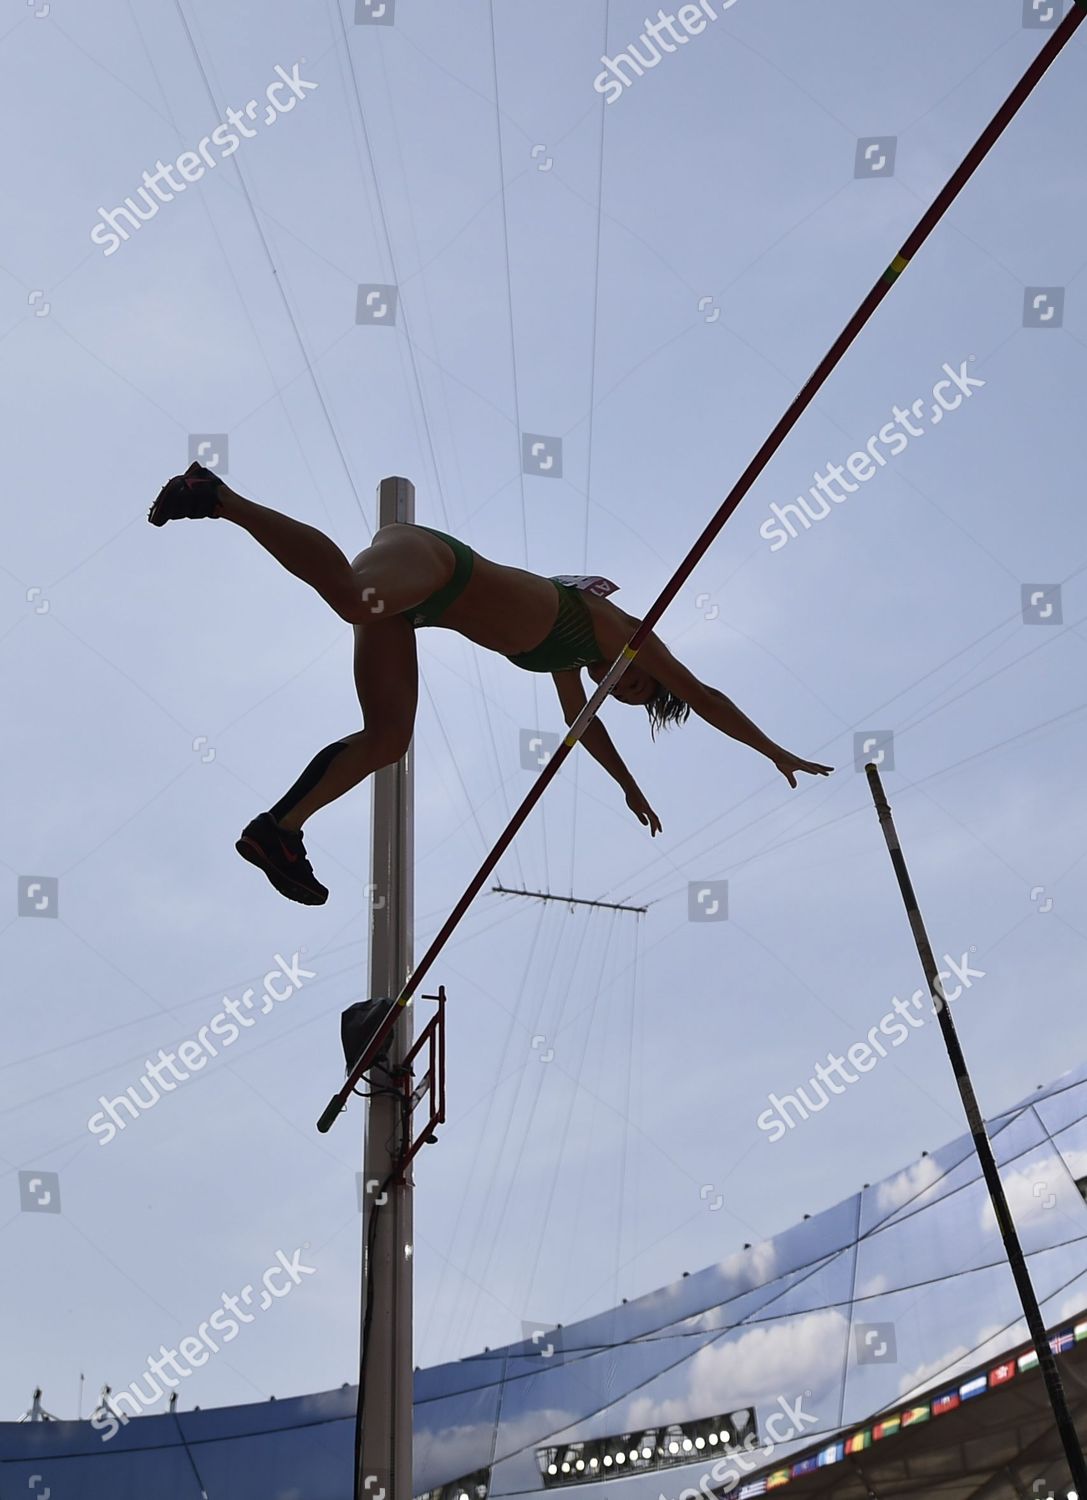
x=413 y=576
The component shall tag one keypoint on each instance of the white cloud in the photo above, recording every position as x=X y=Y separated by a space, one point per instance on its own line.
x=763 y=1363
x=1040 y=1187
x=913 y=1184
x=744 y=1271
x=448 y=1453
x=751 y=1268
x=991 y=1342
x=1072 y=1305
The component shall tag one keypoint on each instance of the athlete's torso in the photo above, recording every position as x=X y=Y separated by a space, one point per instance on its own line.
x=511 y=611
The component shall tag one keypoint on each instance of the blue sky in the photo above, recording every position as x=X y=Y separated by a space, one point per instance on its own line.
x=168 y=685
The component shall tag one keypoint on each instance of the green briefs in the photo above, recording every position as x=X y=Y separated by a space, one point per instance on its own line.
x=571 y=641
x=432 y=609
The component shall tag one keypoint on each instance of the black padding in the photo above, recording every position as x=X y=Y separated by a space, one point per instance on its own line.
x=358 y=1026
x=308 y=779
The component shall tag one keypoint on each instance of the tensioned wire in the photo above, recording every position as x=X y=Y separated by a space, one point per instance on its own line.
x=513 y=366
x=592 y=393
x=305 y=354
x=516 y=1132
x=297 y=331
x=427 y=427
x=635 y=892
x=492 y=1128
x=560 y=1166
x=336 y=8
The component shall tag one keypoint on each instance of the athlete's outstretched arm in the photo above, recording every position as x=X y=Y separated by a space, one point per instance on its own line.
x=721 y=712
x=599 y=745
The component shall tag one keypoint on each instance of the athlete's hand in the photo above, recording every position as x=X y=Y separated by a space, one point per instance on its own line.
x=642 y=811
x=788 y=765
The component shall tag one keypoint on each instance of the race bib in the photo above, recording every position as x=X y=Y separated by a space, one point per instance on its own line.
x=588 y=584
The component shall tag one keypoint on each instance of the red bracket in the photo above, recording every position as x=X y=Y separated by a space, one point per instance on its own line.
x=432 y=1083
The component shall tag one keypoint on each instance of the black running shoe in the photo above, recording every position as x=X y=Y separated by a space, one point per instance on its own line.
x=281 y=854
x=190 y=496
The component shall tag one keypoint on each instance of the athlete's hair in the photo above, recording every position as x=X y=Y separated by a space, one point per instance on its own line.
x=665 y=708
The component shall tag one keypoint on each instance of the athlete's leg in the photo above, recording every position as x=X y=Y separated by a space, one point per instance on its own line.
x=387 y=682
x=386 y=678
x=301 y=549
x=399 y=569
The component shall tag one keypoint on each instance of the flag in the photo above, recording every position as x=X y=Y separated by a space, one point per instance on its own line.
x=914 y=1415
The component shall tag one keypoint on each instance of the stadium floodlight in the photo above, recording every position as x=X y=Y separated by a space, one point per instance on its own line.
x=606 y=1457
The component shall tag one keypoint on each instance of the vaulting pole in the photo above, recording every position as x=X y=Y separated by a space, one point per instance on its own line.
x=383 y=1439
x=958 y=180
x=982 y=1145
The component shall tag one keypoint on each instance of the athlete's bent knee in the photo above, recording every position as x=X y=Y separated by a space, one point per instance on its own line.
x=391 y=745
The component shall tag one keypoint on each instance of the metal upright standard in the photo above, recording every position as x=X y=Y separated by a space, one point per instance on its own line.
x=383 y=1438
x=982 y=1145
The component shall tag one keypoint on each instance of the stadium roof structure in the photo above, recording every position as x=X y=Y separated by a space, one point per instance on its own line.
x=874 y=1349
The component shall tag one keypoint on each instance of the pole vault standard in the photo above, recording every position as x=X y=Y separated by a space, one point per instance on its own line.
x=973 y=159
x=982 y=1145
x=383 y=1456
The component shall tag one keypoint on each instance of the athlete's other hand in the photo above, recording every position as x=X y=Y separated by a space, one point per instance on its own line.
x=642 y=810
x=788 y=765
